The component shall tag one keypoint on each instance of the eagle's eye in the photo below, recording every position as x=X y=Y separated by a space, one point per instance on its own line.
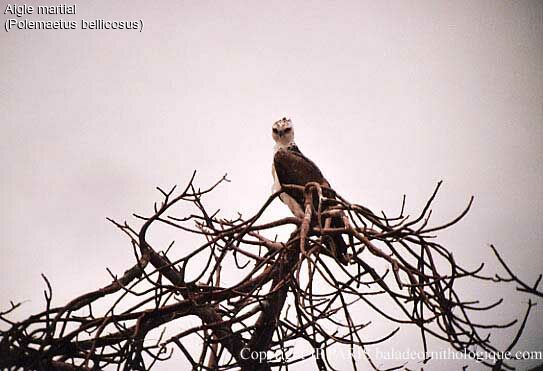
x=287 y=130
x=275 y=130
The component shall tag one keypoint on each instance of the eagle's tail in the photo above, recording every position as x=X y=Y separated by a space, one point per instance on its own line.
x=336 y=243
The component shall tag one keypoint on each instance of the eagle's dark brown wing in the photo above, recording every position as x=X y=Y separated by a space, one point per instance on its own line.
x=293 y=167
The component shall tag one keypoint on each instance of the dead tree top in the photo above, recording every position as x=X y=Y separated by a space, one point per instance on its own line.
x=287 y=291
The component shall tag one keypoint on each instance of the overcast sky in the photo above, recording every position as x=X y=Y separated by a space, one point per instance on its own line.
x=386 y=97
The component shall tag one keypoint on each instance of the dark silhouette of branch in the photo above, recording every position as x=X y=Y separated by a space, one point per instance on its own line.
x=524 y=287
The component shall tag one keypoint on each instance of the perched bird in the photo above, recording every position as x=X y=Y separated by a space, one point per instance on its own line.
x=290 y=166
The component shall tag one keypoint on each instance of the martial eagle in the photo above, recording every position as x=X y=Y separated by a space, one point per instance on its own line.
x=290 y=166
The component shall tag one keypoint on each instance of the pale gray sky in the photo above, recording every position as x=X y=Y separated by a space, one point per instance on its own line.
x=387 y=97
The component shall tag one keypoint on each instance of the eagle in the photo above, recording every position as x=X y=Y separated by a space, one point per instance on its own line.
x=290 y=166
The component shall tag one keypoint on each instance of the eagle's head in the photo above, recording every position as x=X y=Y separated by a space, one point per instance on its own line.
x=283 y=132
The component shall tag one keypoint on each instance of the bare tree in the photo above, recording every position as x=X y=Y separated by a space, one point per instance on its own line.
x=287 y=291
